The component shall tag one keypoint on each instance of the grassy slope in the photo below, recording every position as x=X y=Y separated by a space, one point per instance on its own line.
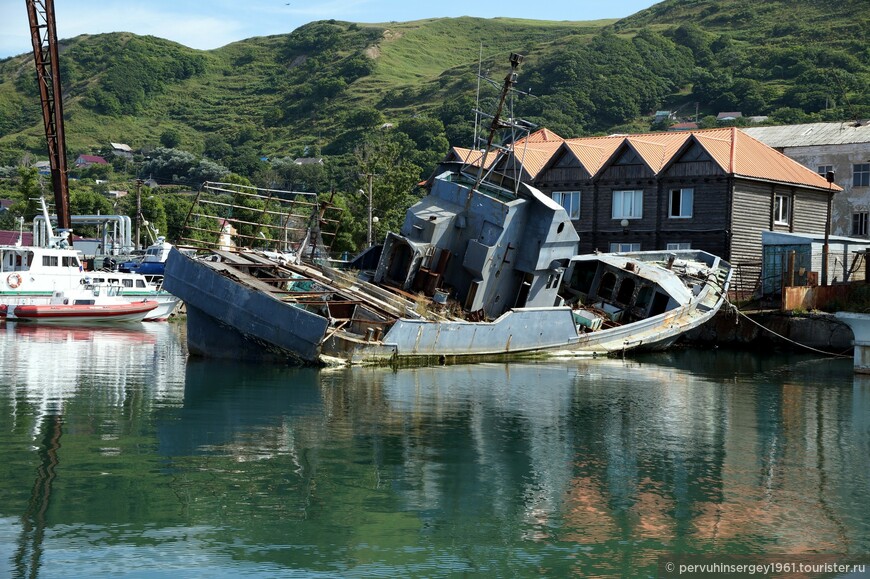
x=425 y=61
x=234 y=90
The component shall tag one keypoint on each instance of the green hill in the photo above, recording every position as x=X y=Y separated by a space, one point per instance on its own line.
x=324 y=82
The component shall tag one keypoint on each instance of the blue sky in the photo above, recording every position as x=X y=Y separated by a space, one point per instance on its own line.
x=207 y=24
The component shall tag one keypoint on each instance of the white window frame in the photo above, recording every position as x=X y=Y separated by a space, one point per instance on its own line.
x=823 y=170
x=782 y=209
x=678 y=245
x=570 y=200
x=624 y=247
x=627 y=204
x=861 y=175
x=686 y=201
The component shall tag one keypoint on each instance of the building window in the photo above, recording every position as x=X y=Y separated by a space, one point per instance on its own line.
x=570 y=200
x=824 y=169
x=624 y=247
x=859 y=223
x=627 y=204
x=680 y=245
x=861 y=175
x=681 y=202
x=781 y=209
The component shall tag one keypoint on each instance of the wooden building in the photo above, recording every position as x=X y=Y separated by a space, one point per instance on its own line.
x=715 y=189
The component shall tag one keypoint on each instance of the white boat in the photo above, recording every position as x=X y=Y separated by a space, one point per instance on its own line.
x=98 y=303
x=31 y=275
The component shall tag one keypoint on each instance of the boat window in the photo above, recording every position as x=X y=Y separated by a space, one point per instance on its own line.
x=605 y=288
x=140 y=283
x=644 y=296
x=583 y=276
x=626 y=290
x=70 y=261
x=128 y=283
x=49 y=260
x=660 y=304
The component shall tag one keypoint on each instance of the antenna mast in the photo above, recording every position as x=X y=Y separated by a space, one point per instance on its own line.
x=509 y=81
x=43 y=34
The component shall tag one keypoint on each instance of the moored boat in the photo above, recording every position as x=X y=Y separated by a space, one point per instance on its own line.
x=30 y=275
x=100 y=304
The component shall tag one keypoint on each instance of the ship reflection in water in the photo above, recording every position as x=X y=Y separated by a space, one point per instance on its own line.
x=125 y=458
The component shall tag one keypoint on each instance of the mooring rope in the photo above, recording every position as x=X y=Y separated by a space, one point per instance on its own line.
x=734 y=309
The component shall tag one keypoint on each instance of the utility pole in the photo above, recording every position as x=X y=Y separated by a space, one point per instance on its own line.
x=138 y=210
x=371 y=177
x=829 y=177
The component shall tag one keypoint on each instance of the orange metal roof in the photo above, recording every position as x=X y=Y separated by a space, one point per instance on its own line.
x=534 y=155
x=593 y=153
x=472 y=156
x=656 y=149
x=733 y=150
x=541 y=136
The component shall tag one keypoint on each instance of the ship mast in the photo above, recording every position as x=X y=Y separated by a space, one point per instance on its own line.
x=43 y=33
x=509 y=81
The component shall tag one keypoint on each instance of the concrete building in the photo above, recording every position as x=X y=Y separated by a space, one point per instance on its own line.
x=843 y=148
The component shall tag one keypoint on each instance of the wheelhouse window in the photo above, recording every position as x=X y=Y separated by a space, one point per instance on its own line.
x=570 y=200
x=859 y=223
x=49 y=260
x=680 y=203
x=627 y=204
x=782 y=209
x=861 y=175
x=624 y=247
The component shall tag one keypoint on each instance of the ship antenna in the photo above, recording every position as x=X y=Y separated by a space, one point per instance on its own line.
x=509 y=80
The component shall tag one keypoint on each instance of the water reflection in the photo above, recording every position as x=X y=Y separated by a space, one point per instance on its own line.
x=585 y=468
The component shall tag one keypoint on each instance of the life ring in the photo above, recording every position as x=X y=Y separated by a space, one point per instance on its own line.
x=14 y=280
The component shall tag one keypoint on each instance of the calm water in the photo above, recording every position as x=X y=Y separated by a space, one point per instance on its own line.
x=120 y=458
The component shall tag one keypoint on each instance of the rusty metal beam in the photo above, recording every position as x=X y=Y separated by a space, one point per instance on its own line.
x=43 y=34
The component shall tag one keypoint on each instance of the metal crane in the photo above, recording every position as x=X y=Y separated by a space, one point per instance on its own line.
x=44 y=38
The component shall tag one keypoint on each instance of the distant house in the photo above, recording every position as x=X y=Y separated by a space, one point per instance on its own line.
x=309 y=161
x=662 y=116
x=684 y=127
x=43 y=167
x=122 y=150
x=85 y=161
x=116 y=194
x=841 y=148
x=730 y=116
